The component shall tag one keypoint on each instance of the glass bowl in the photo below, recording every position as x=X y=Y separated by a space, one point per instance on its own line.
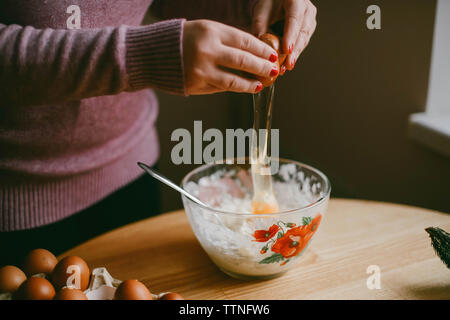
x=256 y=246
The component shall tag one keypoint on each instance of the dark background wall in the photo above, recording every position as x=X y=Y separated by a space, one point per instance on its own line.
x=345 y=107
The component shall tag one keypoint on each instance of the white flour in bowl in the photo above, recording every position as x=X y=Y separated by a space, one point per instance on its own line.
x=229 y=239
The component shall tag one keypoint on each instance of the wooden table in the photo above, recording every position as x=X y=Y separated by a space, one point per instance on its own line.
x=164 y=254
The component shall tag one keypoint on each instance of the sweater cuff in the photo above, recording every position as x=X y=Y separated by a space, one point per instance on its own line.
x=154 y=56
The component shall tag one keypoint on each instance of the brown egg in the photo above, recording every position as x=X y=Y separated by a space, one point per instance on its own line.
x=35 y=288
x=71 y=269
x=67 y=293
x=39 y=261
x=132 y=290
x=273 y=41
x=171 y=296
x=11 y=278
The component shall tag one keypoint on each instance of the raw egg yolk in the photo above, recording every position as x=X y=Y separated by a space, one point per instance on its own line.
x=263 y=207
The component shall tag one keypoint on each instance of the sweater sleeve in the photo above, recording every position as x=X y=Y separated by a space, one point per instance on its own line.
x=232 y=12
x=39 y=66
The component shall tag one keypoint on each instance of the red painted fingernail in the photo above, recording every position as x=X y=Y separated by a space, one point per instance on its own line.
x=258 y=87
x=273 y=72
x=293 y=63
x=273 y=57
x=291 y=47
x=283 y=70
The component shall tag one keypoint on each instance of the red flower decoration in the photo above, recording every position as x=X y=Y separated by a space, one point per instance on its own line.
x=314 y=224
x=291 y=244
x=303 y=230
x=265 y=235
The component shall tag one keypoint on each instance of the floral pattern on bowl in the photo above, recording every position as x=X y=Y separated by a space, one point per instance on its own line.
x=290 y=240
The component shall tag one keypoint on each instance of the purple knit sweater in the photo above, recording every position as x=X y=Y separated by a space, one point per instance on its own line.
x=74 y=115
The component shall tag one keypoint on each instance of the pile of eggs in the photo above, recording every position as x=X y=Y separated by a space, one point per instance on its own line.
x=44 y=278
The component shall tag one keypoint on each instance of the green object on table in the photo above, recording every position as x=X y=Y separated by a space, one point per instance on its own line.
x=440 y=240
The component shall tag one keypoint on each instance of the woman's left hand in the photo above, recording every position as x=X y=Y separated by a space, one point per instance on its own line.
x=300 y=23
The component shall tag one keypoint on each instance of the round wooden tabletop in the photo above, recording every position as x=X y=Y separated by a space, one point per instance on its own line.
x=164 y=254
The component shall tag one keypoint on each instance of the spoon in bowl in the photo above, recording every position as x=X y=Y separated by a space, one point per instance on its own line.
x=170 y=183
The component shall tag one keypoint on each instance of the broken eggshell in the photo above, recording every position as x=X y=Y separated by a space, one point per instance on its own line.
x=273 y=41
x=103 y=286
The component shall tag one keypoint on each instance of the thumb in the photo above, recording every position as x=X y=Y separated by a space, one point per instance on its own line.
x=261 y=17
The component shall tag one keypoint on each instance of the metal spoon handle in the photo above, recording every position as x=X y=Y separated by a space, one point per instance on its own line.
x=168 y=182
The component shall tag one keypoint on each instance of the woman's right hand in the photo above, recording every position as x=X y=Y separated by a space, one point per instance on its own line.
x=215 y=55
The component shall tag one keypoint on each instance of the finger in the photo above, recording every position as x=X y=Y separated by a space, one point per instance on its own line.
x=261 y=17
x=243 y=61
x=306 y=32
x=227 y=81
x=294 y=15
x=298 y=48
x=239 y=39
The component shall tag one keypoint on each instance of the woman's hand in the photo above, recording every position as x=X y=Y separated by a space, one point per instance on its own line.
x=215 y=55
x=300 y=23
